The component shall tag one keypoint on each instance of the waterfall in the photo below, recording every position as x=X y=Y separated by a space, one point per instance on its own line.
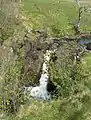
x=41 y=90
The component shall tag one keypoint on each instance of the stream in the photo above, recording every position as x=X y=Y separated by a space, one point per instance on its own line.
x=40 y=92
x=85 y=42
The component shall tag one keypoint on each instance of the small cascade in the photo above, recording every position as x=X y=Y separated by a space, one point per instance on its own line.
x=40 y=91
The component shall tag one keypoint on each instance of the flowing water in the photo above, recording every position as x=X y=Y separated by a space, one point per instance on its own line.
x=84 y=41
x=41 y=90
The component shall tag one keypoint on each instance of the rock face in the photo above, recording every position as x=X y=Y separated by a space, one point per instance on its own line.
x=34 y=56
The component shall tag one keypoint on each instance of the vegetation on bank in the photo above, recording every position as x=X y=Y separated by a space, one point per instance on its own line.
x=56 y=18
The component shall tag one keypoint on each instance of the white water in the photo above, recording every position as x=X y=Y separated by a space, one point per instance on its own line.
x=41 y=90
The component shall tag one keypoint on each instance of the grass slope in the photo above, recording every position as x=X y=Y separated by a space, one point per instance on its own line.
x=58 y=15
x=53 y=15
x=66 y=109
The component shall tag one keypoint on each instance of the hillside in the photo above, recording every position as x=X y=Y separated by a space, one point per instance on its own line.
x=45 y=60
x=57 y=15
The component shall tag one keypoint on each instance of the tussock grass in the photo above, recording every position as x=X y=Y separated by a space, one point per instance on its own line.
x=76 y=107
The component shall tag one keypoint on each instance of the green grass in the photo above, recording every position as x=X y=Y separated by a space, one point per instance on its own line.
x=49 y=14
x=76 y=108
x=87 y=59
x=57 y=17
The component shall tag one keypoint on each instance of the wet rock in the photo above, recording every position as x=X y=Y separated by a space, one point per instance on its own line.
x=88 y=46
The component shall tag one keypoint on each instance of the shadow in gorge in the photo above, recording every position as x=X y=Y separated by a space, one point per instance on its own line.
x=86 y=42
